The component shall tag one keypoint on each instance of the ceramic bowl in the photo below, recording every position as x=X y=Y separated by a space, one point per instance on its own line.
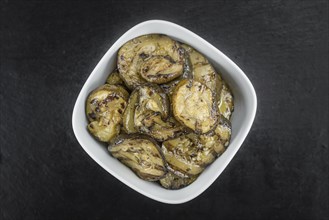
x=245 y=102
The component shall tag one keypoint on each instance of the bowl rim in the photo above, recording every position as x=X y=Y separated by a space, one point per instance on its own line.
x=240 y=138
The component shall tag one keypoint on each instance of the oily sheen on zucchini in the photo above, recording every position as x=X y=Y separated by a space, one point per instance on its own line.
x=194 y=106
x=202 y=70
x=186 y=155
x=150 y=58
x=173 y=181
x=225 y=103
x=129 y=114
x=164 y=111
x=141 y=154
x=104 y=109
x=152 y=114
x=114 y=78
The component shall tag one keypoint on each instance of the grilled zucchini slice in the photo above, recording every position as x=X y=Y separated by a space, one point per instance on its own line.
x=187 y=155
x=159 y=129
x=150 y=58
x=196 y=58
x=172 y=181
x=141 y=154
x=194 y=106
x=152 y=98
x=224 y=131
x=128 y=115
x=114 y=78
x=219 y=139
x=104 y=109
x=152 y=112
x=202 y=70
x=225 y=103
x=169 y=88
x=206 y=74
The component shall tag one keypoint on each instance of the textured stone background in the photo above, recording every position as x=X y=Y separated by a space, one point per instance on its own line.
x=48 y=49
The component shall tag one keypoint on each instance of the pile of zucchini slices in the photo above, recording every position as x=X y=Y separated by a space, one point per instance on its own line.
x=165 y=111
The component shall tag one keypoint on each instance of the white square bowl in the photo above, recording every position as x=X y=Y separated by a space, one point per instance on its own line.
x=245 y=109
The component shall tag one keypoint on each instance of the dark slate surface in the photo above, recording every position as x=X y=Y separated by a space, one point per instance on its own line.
x=48 y=49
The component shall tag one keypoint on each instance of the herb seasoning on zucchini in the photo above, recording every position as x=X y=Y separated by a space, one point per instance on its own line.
x=164 y=111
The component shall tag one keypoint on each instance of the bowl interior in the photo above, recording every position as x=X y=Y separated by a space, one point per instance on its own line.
x=243 y=116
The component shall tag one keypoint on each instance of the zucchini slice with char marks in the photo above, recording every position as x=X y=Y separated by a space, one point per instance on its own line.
x=205 y=73
x=169 y=87
x=152 y=98
x=224 y=131
x=219 y=138
x=202 y=70
x=151 y=114
x=194 y=106
x=172 y=181
x=186 y=156
x=189 y=154
x=114 y=78
x=161 y=130
x=141 y=154
x=104 y=108
x=128 y=115
x=212 y=141
x=150 y=58
x=225 y=103
x=196 y=58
